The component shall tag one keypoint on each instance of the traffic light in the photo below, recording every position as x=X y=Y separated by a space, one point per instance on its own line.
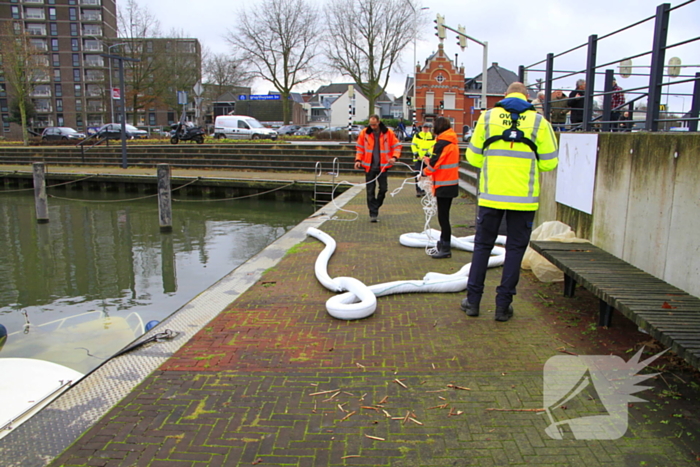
x=462 y=37
x=440 y=26
x=442 y=105
x=408 y=101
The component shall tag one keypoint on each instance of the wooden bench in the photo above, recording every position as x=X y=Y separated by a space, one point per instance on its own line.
x=667 y=313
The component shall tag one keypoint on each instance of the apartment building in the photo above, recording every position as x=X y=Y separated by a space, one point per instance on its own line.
x=74 y=34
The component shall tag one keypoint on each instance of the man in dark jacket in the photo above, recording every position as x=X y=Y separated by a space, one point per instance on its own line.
x=576 y=103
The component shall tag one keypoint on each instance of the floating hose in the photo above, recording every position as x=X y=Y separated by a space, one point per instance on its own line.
x=360 y=301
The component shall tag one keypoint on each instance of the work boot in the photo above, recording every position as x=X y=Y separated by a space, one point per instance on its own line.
x=373 y=219
x=444 y=250
x=468 y=308
x=504 y=313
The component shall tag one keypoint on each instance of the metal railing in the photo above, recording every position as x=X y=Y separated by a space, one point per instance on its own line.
x=656 y=116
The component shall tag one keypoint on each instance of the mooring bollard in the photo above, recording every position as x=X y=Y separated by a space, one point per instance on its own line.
x=40 y=202
x=165 y=213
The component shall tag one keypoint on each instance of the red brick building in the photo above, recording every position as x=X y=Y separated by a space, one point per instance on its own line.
x=440 y=90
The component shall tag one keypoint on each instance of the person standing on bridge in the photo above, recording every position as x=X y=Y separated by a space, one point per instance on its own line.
x=511 y=144
x=377 y=149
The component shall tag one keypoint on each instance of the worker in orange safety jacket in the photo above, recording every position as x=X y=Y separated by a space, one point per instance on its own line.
x=443 y=168
x=377 y=149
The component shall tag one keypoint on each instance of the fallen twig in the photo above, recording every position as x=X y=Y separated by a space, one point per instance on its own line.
x=323 y=392
x=375 y=437
x=386 y=413
x=563 y=350
x=350 y=456
x=386 y=398
x=347 y=416
x=515 y=410
x=443 y=406
x=369 y=408
x=398 y=381
x=453 y=386
x=359 y=365
x=415 y=421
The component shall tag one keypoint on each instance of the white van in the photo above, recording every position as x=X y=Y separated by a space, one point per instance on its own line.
x=241 y=127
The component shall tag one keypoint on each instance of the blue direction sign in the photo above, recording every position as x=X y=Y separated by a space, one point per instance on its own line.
x=264 y=97
x=242 y=97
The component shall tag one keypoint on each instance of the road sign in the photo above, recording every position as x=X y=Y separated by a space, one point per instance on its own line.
x=264 y=97
x=198 y=89
x=242 y=97
x=674 y=66
x=115 y=93
x=625 y=68
x=181 y=97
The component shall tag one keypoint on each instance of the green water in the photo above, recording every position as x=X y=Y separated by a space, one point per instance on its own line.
x=81 y=287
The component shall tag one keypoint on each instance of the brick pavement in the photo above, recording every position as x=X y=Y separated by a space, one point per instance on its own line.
x=242 y=391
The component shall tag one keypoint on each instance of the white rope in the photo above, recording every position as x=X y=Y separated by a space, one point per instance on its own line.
x=346 y=182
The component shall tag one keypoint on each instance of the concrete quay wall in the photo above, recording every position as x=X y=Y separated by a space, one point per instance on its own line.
x=646 y=204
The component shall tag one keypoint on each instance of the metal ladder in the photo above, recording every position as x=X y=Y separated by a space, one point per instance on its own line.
x=324 y=197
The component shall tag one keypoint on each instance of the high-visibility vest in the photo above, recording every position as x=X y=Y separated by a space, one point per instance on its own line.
x=445 y=171
x=389 y=146
x=509 y=176
x=422 y=145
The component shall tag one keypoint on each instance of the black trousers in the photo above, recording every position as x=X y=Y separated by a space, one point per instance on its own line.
x=375 y=198
x=519 y=225
x=417 y=166
x=443 y=214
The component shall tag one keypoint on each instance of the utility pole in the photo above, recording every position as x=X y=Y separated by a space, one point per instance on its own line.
x=121 y=59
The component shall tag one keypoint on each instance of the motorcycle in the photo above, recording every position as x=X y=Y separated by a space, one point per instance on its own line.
x=186 y=132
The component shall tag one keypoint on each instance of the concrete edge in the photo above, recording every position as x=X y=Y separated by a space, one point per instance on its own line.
x=46 y=435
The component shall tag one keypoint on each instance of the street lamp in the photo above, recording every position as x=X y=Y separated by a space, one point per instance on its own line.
x=111 y=97
x=415 y=58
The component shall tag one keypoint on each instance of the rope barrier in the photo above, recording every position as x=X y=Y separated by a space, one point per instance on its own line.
x=51 y=186
x=236 y=197
x=121 y=200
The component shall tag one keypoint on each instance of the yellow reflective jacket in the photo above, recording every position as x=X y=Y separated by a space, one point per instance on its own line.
x=422 y=145
x=510 y=171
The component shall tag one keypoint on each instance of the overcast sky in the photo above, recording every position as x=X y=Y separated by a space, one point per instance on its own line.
x=518 y=33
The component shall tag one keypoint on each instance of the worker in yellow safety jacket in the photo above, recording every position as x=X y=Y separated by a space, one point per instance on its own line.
x=443 y=168
x=422 y=146
x=376 y=150
x=511 y=144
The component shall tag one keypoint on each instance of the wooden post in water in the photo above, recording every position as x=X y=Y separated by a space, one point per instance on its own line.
x=165 y=213
x=40 y=202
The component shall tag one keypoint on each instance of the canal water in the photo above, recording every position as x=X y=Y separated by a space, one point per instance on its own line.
x=76 y=290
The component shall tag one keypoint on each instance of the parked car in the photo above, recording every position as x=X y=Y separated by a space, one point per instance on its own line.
x=288 y=129
x=61 y=133
x=466 y=133
x=308 y=130
x=334 y=129
x=241 y=127
x=114 y=131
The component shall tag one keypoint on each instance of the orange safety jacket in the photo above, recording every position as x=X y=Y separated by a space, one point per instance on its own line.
x=389 y=146
x=444 y=165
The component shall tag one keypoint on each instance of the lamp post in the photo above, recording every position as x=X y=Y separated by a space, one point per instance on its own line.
x=111 y=97
x=415 y=58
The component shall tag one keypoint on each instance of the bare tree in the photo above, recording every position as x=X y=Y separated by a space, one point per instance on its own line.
x=223 y=71
x=366 y=38
x=181 y=68
x=145 y=85
x=25 y=66
x=279 y=44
